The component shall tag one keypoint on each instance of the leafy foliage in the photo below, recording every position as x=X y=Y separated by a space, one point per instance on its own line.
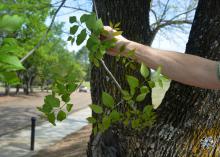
x=107 y=113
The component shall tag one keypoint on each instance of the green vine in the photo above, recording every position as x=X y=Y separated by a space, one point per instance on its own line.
x=91 y=28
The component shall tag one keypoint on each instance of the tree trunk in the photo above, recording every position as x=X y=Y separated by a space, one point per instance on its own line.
x=188 y=118
x=188 y=122
x=31 y=81
x=135 y=28
x=7 y=89
x=26 y=85
x=17 y=89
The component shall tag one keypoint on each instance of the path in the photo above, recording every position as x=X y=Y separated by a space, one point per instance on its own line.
x=18 y=144
x=16 y=112
x=73 y=145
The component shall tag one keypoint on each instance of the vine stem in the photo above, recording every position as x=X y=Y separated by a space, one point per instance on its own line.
x=109 y=72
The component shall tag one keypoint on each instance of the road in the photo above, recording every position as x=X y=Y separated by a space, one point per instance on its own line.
x=16 y=112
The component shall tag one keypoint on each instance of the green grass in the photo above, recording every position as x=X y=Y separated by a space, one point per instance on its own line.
x=158 y=93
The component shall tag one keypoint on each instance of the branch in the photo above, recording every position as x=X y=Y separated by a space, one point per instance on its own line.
x=44 y=36
x=165 y=10
x=154 y=13
x=186 y=12
x=109 y=72
x=78 y=9
x=175 y=22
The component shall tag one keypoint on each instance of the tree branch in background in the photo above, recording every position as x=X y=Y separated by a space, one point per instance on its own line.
x=45 y=35
x=166 y=8
x=184 y=13
x=77 y=9
x=161 y=22
x=172 y=22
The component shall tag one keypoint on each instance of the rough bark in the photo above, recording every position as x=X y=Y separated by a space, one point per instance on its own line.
x=134 y=19
x=188 y=118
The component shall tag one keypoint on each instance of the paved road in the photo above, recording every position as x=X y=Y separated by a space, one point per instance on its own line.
x=16 y=112
x=18 y=144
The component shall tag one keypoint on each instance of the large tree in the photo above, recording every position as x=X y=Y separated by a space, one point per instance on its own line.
x=187 y=123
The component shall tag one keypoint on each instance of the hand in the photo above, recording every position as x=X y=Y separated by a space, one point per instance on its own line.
x=119 y=43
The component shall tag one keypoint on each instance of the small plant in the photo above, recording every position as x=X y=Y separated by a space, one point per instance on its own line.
x=91 y=28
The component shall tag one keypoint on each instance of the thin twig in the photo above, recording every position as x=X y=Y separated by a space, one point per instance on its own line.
x=44 y=36
x=109 y=72
x=96 y=11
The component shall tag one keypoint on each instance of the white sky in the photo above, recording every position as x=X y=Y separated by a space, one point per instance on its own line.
x=175 y=40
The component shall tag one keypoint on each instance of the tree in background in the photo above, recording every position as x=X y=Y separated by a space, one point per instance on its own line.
x=51 y=53
x=83 y=58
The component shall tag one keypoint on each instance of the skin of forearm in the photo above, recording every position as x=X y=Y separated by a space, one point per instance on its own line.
x=187 y=69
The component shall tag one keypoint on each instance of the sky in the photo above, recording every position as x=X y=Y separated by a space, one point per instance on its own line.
x=168 y=40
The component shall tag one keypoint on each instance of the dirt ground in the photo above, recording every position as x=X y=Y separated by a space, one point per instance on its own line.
x=19 y=110
x=73 y=145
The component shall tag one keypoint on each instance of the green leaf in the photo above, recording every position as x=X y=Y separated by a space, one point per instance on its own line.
x=90 y=21
x=74 y=29
x=10 y=23
x=69 y=38
x=95 y=130
x=69 y=107
x=151 y=84
x=93 y=43
x=106 y=121
x=51 y=118
x=52 y=101
x=96 y=62
x=46 y=108
x=135 y=123
x=96 y=108
x=72 y=41
x=117 y=33
x=117 y=25
x=115 y=116
x=144 y=89
x=71 y=87
x=144 y=71
x=81 y=37
x=125 y=93
x=61 y=115
x=72 y=19
x=141 y=97
x=98 y=27
x=132 y=81
x=107 y=100
x=66 y=97
x=11 y=60
x=160 y=83
x=9 y=77
x=91 y=120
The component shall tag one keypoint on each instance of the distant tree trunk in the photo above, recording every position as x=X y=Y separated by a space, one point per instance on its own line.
x=7 y=89
x=134 y=18
x=17 y=89
x=26 y=85
x=31 y=81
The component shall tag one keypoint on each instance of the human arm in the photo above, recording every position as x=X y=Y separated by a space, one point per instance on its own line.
x=187 y=69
